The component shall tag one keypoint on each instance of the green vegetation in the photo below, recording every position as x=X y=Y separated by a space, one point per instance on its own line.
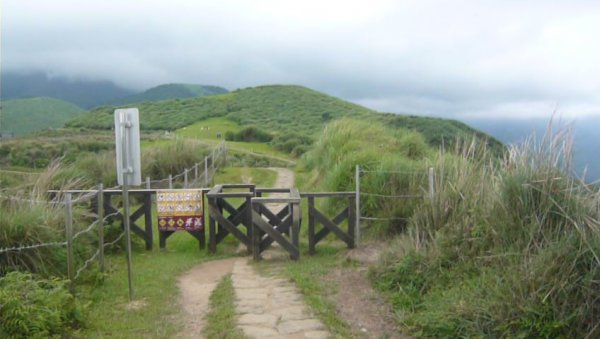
x=41 y=148
x=221 y=319
x=170 y=92
x=37 y=308
x=293 y=115
x=21 y=116
x=505 y=248
x=249 y=134
x=387 y=153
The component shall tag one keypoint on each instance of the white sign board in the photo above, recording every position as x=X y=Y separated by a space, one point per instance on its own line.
x=127 y=137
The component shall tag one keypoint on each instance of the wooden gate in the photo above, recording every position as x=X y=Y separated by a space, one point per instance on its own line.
x=219 y=202
x=269 y=226
x=331 y=225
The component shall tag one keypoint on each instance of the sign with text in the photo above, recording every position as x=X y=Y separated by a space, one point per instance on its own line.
x=180 y=210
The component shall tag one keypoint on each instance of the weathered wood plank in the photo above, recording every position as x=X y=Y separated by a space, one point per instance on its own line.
x=331 y=226
x=264 y=226
x=214 y=212
x=311 y=226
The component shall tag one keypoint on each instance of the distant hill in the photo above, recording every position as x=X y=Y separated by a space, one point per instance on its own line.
x=170 y=91
x=277 y=109
x=86 y=94
x=21 y=116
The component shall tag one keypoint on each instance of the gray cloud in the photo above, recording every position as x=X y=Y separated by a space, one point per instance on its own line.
x=460 y=58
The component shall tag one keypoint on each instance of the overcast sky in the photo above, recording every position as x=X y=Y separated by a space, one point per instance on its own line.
x=447 y=58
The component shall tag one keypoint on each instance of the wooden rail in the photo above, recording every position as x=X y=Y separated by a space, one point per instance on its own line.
x=332 y=225
x=241 y=215
x=268 y=227
x=251 y=222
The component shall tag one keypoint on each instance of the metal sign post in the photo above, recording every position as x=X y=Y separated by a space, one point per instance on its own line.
x=127 y=136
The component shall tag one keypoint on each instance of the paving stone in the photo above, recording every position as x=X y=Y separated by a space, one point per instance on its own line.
x=259 y=332
x=293 y=326
x=264 y=320
x=292 y=310
x=317 y=335
x=272 y=307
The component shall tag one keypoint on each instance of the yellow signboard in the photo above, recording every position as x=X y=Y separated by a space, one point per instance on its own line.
x=180 y=210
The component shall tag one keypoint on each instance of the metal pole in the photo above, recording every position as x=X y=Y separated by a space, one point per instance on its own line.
x=148 y=184
x=196 y=174
x=431 y=183
x=69 y=233
x=357 y=231
x=101 y=227
x=170 y=181
x=126 y=172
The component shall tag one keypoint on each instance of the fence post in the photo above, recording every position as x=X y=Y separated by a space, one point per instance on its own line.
x=357 y=211
x=431 y=183
x=69 y=233
x=206 y=171
x=101 y=227
x=148 y=184
x=196 y=175
x=185 y=178
x=170 y=181
x=212 y=159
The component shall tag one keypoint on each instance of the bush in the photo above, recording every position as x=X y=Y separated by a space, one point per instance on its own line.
x=37 y=308
x=505 y=249
x=249 y=134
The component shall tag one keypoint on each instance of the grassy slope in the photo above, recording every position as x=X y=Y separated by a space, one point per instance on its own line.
x=169 y=92
x=279 y=109
x=21 y=116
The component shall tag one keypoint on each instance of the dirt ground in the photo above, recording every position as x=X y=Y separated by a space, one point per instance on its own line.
x=357 y=303
x=196 y=286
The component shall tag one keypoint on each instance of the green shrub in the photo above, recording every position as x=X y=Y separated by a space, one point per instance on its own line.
x=37 y=308
x=249 y=134
x=505 y=249
x=174 y=158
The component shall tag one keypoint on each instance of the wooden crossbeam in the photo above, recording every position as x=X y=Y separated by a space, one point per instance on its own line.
x=282 y=227
x=145 y=210
x=274 y=234
x=326 y=230
x=333 y=227
x=215 y=213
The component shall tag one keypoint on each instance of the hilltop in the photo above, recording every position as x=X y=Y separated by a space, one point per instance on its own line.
x=22 y=116
x=170 y=91
x=276 y=109
x=83 y=93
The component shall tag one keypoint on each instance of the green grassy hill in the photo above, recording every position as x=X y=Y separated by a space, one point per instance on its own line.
x=277 y=109
x=169 y=92
x=22 y=116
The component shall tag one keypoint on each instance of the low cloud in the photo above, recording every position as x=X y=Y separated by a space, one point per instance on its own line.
x=465 y=58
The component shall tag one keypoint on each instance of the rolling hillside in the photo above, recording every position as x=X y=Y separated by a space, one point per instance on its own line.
x=170 y=91
x=21 y=116
x=277 y=109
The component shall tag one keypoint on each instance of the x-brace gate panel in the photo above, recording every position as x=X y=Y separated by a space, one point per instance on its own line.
x=217 y=203
x=269 y=227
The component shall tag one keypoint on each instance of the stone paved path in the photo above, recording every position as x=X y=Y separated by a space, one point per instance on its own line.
x=271 y=307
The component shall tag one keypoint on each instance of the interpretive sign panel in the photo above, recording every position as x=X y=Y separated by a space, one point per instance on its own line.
x=180 y=210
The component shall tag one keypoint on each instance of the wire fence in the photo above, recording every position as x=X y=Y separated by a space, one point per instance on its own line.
x=425 y=190
x=189 y=178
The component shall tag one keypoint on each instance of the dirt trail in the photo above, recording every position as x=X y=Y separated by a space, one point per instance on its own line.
x=259 y=299
x=285 y=179
x=196 y=286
